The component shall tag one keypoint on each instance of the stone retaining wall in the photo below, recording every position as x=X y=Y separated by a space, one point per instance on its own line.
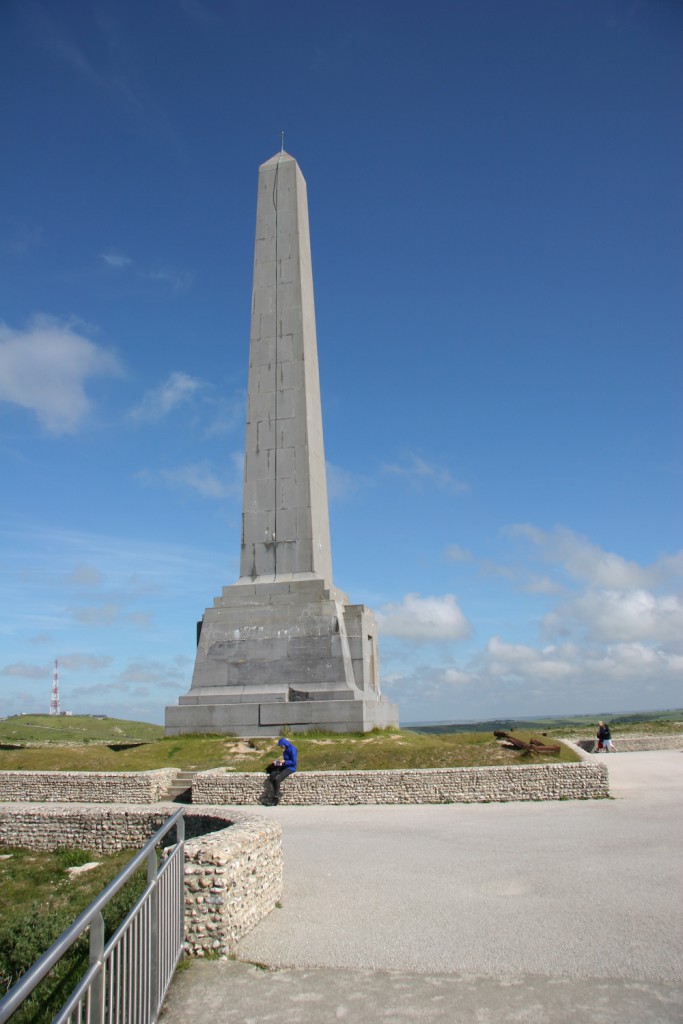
x=587 y=780
x=87 y=787
x=233 y=861
x=629 y=743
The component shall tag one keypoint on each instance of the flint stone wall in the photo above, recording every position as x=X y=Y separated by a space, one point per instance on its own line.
x=87 y=787
x=233 y=860
x=629 y=743
x=586 y=780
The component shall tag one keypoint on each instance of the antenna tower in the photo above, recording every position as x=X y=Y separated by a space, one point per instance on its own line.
x=54 y=699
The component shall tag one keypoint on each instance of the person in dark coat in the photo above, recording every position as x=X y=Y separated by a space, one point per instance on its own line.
x=284 y=768
x=605 y=738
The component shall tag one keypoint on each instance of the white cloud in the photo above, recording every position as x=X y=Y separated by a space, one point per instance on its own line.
x=542 y=585
x=159 y=402
x=638 y=663
x=615 y=616
x=424 y=618
x=604 y=648
x=45 y=369
x=456 y=677
x=550 y=662
x=418 y=471
x=587 y=562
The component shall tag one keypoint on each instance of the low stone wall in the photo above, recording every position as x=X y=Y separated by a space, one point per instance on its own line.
x=587 y=780
x=87 y=787
x=629 y=743
x=233 y=879
x=233 y=860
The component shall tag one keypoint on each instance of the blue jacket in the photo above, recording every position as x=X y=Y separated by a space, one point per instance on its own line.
x=289 y=754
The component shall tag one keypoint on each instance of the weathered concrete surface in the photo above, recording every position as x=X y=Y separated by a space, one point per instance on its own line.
x=244 y=994
x=283 y=649
x=567 y=910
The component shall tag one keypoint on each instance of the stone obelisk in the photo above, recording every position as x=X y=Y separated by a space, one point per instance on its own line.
x=282 y=648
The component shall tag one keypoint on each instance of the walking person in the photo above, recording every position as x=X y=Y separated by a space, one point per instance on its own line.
x=605 y=738
x=284 y=768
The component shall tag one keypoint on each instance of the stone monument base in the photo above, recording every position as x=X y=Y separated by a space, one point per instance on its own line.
x=280 y=717
x=288 y=654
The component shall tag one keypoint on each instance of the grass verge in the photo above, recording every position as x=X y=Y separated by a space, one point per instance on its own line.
x=318 y=751
x=39 y=899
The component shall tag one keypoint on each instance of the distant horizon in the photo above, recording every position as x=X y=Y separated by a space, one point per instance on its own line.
x=402 y=725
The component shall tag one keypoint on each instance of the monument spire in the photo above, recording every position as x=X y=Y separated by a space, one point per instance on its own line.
x=285 y=521
x=282 y=648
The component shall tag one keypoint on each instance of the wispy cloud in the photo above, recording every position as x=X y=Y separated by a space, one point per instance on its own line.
x=106 y=64
x=18 y=240
x=116 y=261
x=146 y=671
x=79 y=662
x=180 y=280
x=45 y=368
x=198 y=477
x=26 y=670
x=418 y=472
x=586 y=562
x=158 y=402
x=455 y=553
x=340 y=483
x=110 y=614
x=83 y=575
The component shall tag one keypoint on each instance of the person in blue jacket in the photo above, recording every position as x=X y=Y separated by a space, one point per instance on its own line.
x=283 y=768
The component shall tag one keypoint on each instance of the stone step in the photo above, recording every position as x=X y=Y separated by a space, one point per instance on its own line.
x=180 y=790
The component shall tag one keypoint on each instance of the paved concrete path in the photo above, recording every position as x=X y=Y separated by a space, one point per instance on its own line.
x=462 y=912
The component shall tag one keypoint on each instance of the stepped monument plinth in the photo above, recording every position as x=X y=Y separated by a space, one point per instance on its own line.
x=282 y=648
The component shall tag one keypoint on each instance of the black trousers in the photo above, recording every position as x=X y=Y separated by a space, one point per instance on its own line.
x=277 y=778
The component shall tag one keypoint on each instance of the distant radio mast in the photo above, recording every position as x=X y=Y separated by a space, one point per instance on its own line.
x=54 y=699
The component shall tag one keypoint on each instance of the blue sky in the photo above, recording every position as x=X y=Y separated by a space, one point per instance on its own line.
x=495 y=206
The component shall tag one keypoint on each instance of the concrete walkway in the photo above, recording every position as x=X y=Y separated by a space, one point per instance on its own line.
x=461 y=912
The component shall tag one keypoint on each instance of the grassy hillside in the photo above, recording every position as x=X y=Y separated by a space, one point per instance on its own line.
x=317 y=751
x=638 y=722
x=74 y=729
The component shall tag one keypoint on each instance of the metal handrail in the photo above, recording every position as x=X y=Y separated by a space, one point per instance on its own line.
x=92 y=915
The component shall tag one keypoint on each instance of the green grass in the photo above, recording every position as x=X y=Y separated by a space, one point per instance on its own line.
x=38 y=901
x=318 y=751
x=82 y=743
x=21 y=729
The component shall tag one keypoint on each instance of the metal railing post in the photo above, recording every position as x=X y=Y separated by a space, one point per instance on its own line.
x=96 y=957
x=153 y=936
